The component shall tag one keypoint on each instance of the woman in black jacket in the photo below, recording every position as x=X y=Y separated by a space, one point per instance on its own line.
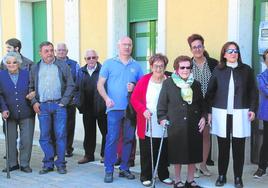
x=232 y=97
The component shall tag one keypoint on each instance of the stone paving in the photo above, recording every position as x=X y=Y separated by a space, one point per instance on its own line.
x=90 y=175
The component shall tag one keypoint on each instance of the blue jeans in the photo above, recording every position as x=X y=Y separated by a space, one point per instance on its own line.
x=116 y=118
x=52 y=116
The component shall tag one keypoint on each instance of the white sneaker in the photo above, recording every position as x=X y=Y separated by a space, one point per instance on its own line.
x=147 y=183
x=168 y=181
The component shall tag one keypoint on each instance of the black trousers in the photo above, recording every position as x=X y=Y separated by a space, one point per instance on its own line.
x=70 y=127
x=238 y=150
x=145 y=158
x=264 y=147
x=89 y=144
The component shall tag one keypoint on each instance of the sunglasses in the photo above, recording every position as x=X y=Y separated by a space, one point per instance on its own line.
x=182 y=68
x=232 y=51
x=161 y=67
x=89 y=58
x=199 y=47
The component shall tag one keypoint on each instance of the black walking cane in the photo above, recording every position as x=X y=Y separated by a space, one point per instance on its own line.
x=7 y=148
x=159 y=153
x=151 y=143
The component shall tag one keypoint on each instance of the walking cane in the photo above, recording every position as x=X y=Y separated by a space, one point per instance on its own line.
x=159 y=153
x=7 y=148
x=151 y=144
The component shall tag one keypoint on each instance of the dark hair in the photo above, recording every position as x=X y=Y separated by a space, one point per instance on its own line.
x=14 y=42
x=194 y=37
x=158 y=57
x=45 y=43
x=224 y=48
x=181 y=58
x=264 y=54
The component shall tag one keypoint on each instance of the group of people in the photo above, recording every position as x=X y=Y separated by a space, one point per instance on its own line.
x=201 y=96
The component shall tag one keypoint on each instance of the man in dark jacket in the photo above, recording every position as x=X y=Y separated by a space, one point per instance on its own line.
x=50 y=103
x=91 y=105
x=61 y=53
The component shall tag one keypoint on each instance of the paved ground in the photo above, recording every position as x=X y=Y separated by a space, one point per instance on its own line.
x=91 y=175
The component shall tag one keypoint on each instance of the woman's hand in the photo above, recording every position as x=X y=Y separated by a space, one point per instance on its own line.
x=201 y=124
x=163 y=122
x=209 y=118
x=5 y=114
x=30 y=95
x=251 y=116
x=147 y=114
x=36 y=108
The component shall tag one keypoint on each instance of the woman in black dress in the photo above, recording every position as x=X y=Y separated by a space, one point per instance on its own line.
x=181 y=103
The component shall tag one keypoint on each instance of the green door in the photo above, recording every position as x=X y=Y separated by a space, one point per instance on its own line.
x=142 y=16
x=39 y=26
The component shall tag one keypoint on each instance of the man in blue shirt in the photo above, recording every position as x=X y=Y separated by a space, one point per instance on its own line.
x=120 y=74
x=61 y=53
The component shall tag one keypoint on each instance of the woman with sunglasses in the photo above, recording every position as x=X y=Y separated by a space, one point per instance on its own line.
x=232 y=97
x=181 y=103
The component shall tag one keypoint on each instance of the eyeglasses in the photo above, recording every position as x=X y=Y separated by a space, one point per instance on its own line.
x=183 y=67
x=231 y=51
x=89 y=58
x=127 y=45
x=161 y=67
x=198 y=47
x=10 y=62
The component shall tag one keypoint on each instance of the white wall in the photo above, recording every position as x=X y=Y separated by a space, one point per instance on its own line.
x=1 y=42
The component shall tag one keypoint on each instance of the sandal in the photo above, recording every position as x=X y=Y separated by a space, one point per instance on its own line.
x=192 y=184
x=179 y=184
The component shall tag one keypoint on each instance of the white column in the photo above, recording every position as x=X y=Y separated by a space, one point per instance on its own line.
x=1 y=40
x=49 y=20
x=17 y=17
x=161 y=46
x=117 y=24
x=71 y=23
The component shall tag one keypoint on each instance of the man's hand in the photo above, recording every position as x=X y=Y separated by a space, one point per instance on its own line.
x=30 y=95
x=36 y=108
x=109 y=102
x=251 y=116
x=130 y=87
x=5 y=114
x=201 y=124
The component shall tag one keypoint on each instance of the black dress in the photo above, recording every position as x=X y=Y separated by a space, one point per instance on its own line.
x=185 y=142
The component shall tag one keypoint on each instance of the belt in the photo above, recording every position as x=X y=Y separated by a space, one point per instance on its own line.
x=52 y=101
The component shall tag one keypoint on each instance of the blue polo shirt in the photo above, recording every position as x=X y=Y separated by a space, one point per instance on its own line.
x=117 y=76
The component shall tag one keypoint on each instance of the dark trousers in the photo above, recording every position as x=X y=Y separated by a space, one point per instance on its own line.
x=89 y=144
x=70 y=127
x=238 y=150
x=264 y=147
x=145 y=158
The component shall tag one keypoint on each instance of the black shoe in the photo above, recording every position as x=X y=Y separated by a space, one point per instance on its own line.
x=259 y=173
x=26 y=169
x=45 y=170
x=127 y=174
x=102 y=160
x=131 y=163
x=69 y=154
x=16 y=167
x=62 y=170
x=108 y=177
x=238 y=183
x=220 y=181
x=210 y=162
x=191 y=184
x=118 y=161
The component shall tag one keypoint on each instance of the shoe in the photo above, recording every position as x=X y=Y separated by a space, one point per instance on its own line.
x=85 y=159
x=62 y=170
x=26 y=169
x=46 y=170
x=118 y=161
x=191 y=184
x=210 y=162
x=16 y=167
x=179 y=184
x=205 y=171
x=69 y=154
x=108 y=177
x=196 y=173
x=238 y=183
x=147 y=183
x=127 y=174
x=220 y=181
x=167 y=181
x=131 y=163
x=102 y=160
x=259 y=173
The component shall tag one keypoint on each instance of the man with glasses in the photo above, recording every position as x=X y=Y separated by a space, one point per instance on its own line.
x=119 y=73
x=203 y=66
x=91 y=105
x=61 y=53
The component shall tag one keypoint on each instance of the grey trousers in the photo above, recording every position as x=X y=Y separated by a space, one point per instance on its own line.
x=26 y=130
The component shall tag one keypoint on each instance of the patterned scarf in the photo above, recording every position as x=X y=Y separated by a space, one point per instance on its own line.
x=186 y=90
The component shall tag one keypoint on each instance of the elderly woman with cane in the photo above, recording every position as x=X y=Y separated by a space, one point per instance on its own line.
x=181 y=103
x=144 y=100
x=17 y=112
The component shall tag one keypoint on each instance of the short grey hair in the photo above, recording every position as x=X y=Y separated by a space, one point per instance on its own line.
x=12 y=54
